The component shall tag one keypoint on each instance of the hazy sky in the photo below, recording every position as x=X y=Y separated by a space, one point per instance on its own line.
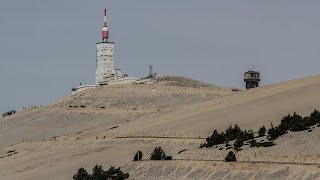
x=47 y=47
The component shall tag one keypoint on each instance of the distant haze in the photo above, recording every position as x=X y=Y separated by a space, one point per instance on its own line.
x=48 y=47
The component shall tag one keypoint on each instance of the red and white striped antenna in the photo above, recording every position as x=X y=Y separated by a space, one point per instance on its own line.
x=105 y=17
x=105 y=31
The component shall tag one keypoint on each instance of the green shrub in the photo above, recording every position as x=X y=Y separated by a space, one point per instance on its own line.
x=275 y=132
x=294 y=123
x=98 y=173
x=313 y=119
x=215 y=139
x=262 y=131
x=138 y=156
x=232 y=133
x=253 y=143
x=238 y=143
x=248 y=135
x=299 y=126
x=231 y=157
x=158 y=154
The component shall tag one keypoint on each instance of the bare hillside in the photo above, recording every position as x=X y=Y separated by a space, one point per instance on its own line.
x=109 y=105
x=182 y=82
x=109 y=125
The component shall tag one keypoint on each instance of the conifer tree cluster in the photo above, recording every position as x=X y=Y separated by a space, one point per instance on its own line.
x=230 y=134
x=159 y=154
x=294 y=123
x=99 y=174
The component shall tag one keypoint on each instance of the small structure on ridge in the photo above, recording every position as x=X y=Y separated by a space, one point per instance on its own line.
x=252 y=79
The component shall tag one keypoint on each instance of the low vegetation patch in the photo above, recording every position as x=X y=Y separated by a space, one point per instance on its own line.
x=253 y=143
x=231 y=157
x=262 y=131
x=159 y=154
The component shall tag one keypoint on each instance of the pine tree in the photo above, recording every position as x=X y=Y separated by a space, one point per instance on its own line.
x=262 y=131
x=81 y=174
x=116 y=174
x=98 y=173
x=215 y=139
x=158 y=154
x=238 y=143
x=231 y=157
x=253 y=143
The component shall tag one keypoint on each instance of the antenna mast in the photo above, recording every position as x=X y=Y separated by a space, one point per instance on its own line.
x=150 y=73
x=105 y=31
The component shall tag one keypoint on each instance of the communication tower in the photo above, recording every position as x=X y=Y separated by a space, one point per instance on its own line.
x=105 y=70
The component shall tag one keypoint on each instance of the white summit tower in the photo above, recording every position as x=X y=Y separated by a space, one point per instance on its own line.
x=105 y=70
x=106 y=74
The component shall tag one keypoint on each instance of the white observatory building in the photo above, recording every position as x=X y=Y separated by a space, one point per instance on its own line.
x=106 y=74
x=105 y=70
